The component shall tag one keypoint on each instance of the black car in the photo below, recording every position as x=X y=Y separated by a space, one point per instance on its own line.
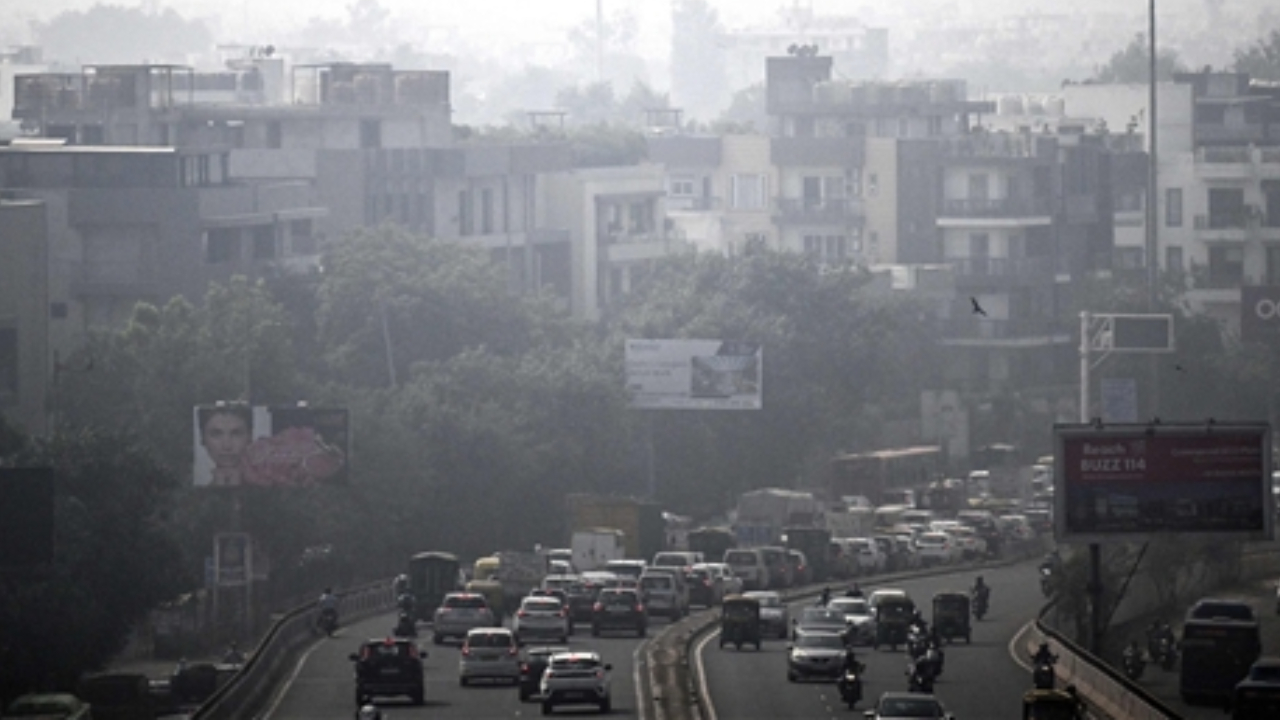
x=388 y=666
x=619 y=609
x=532 y=665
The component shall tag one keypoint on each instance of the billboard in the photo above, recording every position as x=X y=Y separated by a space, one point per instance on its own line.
x=294 y=446
x=694 y=374
x=1260 y=313
x=1130 y=481
x=26 y=518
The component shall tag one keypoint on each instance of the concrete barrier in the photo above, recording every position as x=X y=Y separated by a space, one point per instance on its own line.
x=249 y=691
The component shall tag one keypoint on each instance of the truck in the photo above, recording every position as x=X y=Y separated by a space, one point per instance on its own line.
x=712 y=542
x=594 y=547
x=505 y=577
x=640 y=521
x=762 y=514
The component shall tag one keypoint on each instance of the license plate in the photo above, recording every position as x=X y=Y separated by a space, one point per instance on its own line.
x=618 y=608
x=390 y=671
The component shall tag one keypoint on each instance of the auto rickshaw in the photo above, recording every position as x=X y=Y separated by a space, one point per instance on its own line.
x=1051 y=705
x=951 y=616
x=740 y=621
x=893 y=618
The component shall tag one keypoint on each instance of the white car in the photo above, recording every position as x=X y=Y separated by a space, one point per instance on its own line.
x=733 y=584
x=936 y=548
x=489 y=653
x=576 y=678
x=867 y=554
x=541 y=616
x=857 y=616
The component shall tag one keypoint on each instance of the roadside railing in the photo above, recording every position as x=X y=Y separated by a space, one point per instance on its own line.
x=250 y=690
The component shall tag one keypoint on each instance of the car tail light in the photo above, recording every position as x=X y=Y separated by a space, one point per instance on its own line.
x=639 y=608
x=564 y=613
x=466 y=650
x=522 y=613
x=413 y=651
x=597 y=607
x=524 y=667
x=512 y=650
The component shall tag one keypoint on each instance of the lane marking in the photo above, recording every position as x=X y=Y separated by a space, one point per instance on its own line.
x=704 y=690
x=285 y=686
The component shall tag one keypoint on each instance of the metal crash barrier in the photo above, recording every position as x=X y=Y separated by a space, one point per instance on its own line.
x=249 y=691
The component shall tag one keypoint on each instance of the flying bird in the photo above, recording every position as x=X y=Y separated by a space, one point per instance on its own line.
x=977 y=309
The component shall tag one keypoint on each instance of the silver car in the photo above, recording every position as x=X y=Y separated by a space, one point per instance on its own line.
x=458 y=614
x=858 y=618
x=489 y=653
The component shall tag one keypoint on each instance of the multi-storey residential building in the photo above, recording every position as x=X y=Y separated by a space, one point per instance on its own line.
x=1218 y=177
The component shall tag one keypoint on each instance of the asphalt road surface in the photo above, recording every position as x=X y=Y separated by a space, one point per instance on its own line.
x=978 y=681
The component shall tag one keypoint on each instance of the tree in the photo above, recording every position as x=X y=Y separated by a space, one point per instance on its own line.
x=113 y=561
x=746 y=111
x=1262 y=59
x=113 y=34
x=1133 y=64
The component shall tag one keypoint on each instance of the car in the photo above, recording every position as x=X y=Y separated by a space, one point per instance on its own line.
x=867 y=555
x=594 y=580
x=619 y=608
x=621 y=567
x=775 y=618
x=877 y=595
x=576 y=678
x=663 y=594
x=857 y=615
x=578 y=597
x=815 y=655
x=458 y=614
x=681 y=559
x=935 y=548
x=818 y=619
x=1258 y=694
x=908 y=706
x=800 y=571
x=706 y=587
x=541 y=616
x=731 y=583
x=748 y=565
x=775 y=558
x=562 y=596
x=388 y=667
x=47 y=706
x=1278 y=597
x=533 y=662
x=489 y=653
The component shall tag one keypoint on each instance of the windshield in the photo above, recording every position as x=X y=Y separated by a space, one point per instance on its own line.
x=850 y=606
x=767 y=601
x=820 y=640
x=822 y=617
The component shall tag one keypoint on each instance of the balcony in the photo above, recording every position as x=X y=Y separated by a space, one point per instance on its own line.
x=1237 y=163
x=641 y=247
x=975 y=212
x=816 y=151
x=693 y=204
x=1002 y=272
x=821 y=211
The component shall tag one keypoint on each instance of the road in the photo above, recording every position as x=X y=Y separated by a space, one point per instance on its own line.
x=323 y=687
x=979 y=681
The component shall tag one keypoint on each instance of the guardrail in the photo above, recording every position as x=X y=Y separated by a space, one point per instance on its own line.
x=249 y=691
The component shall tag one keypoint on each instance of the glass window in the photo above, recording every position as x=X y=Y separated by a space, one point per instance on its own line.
x=681 y=186
x=1173 y=207
x=1173 y=258
x=264 y=242
x=222 y=245
x=750 y=192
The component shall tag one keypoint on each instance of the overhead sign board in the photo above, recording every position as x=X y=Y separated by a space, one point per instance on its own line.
x=1133 y=333
x=1127 y=482
x=694 y=374
x=1260 y=313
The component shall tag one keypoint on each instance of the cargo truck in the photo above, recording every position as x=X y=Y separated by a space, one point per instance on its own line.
x=505 y=577
x=594 y=547
x=643 y=529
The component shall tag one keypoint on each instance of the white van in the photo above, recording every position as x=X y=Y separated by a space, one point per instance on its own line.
x=748 y=564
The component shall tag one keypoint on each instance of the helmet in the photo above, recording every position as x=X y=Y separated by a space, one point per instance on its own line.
x=369 y=712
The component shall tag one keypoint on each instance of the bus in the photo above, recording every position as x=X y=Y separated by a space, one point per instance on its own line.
x=883 y=473
x=1216 y=654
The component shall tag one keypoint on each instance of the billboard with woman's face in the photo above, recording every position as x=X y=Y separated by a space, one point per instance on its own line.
x=294 y=446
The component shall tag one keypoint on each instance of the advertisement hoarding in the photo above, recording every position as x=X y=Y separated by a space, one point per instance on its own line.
x=232 y=559
x=295 y=446
x=1126 y=482
x=1260 y=314
x=694 y=374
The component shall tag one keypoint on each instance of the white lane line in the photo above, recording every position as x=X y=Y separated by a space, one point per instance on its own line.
x=284 y=687
x=1015 y=642
x=642 y=708
x=704 y=690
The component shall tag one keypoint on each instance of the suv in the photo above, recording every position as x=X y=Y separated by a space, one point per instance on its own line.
x=748 y=564
x=619 y=608
x=679 y=559
x=532 y=665
x=631 y=568
x=544 y=616
x=490 y=653
x=388 y=666
x=1221 y=609
x=576 y=678
x=458 y=614
x=663 y=591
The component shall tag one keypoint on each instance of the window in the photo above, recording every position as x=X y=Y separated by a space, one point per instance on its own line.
x=486 y=211
x=873 y=185
x=370 y=134
x=1273 y=267
x=222 y=245
x=264 y=242
x=935 y=126
x=1129 y=258
x=275 y=134
x=8 y=362
x=1173 y=207
x=979 y=188
x=464 y=212
x=1173 y=258
x=1226 y=265
x=681 y=186
x=750 y=192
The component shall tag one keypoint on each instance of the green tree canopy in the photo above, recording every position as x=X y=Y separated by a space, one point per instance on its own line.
x=1262 y=59
x=113 y=560
x=1133 y=64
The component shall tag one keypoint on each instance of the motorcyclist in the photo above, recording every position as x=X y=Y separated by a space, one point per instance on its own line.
x=981 y=591
x=405 y=602
x=1043 y=674
x=1044 y=656
x=1157 y=631
x=233 y=655
x=401 y=585
x=854 y=591
x=826 y=597
x=327 y=605
x=1052 y=561
x=851 y=664
x=370 y=712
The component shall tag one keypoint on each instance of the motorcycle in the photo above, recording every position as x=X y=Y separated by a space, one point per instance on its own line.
x=1132 y=664
x=1046 y=581
x=1043 y=676
x=327 y=622
x=405 y=626
x=1163 y=651
x=920 y=676
x=850 y=686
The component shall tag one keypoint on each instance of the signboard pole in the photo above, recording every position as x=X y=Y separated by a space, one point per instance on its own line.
x=1094 y=588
